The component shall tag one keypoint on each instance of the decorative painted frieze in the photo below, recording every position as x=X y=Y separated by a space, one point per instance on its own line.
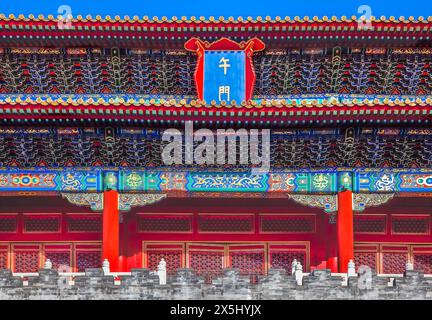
x=68 y=180
x=392 y=181
x=293 y=182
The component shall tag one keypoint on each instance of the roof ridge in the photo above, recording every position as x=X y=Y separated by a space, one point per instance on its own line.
x=212 y=19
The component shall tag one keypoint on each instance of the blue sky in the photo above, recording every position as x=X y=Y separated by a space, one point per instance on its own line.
x=221 y=7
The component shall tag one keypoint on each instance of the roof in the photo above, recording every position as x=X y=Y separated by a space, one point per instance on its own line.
x=174 y=32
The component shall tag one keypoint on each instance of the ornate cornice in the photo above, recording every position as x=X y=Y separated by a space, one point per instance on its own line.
x=329 y=202
x=129 y=200
x=126 y=200
x=365 y=200
x=326 y=202
x=92 y=200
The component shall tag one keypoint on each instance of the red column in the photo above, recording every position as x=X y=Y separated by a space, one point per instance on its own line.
x=110 y=232
x=345 y=230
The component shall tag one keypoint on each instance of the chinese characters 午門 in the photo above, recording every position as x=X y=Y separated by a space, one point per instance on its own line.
x=224 y=89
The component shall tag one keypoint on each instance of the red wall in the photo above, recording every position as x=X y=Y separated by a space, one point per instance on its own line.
x=322 y=238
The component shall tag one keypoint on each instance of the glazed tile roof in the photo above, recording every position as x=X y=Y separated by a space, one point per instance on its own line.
x=212 y=19
x=172 y=32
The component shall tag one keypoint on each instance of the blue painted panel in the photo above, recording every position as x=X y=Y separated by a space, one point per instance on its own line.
x=227 y=182
x=224 y=76
x=41 y=180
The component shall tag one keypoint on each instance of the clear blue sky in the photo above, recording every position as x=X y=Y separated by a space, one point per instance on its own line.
x=221 y=7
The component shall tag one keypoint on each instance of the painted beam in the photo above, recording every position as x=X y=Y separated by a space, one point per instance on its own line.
x=66 y=180
x=157 y=181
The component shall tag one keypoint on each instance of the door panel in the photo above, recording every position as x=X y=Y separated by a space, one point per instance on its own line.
x=249 y=259
x=206 y=259
x=172 y=253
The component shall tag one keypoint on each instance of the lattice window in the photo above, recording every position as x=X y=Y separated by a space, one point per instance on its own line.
x=173 y=260
x=26 y=261
x=284 y=224
x=248 y=262
x=419 y=225
x=369 y=224
x=225 y=223
x=59 y=260
x=4 y=260
x=84 y=224
x=365 y=259
x=394 y=262
x=89 y=259
x=423 y=262
x=165 y=224
x=8 y=224
x=206 y=263
x=41 y=224
x=284 y=259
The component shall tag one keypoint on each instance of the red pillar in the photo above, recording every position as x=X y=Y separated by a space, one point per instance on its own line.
x=345 y=230
x=110 y=233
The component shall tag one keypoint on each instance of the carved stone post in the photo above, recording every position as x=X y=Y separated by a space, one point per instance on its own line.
x=293 y=266
x=162 y=272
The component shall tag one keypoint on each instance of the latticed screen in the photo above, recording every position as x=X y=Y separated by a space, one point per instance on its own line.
x=370 y=224
x=287 y=223
x=365 y=259
x=60 y=260
x=394 y=262
x=225 y=223
x=32 y=224
x=4 y=260
x=65 y=257
x=284 y=259
x=405 y=225
x=423 y=262
x=209 y=259
x=392 y=259
x=8 y=224
x=172 y=258
x=248 y=262
x=88 y=259
x=26 y=261
x=206 y=262
x=84 y=224
x=165 y=223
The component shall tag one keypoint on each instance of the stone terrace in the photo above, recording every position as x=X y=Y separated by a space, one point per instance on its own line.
x=143 y=284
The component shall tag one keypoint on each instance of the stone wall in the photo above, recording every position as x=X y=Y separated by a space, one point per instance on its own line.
x=142 y=284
